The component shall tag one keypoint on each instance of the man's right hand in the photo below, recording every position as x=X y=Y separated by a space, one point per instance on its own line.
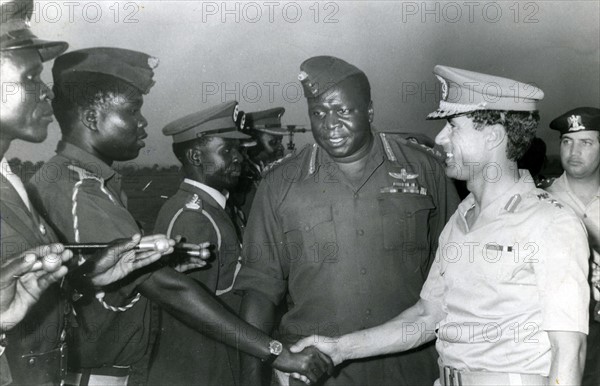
x=310 y=364
x=120 y=259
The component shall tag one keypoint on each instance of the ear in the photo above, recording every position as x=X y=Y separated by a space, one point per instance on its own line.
x=193 y=156
x=371 y=112
x=495 y=137
x=89 y=118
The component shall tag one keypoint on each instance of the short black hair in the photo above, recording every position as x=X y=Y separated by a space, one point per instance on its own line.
x=520 y=128
x=179 y=149
x=82 y=91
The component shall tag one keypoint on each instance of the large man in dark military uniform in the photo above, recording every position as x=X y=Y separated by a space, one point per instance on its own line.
x=348 y=228
x=207 y=144
x=98 y=106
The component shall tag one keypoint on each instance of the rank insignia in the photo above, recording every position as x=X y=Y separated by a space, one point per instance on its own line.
x=575 y=123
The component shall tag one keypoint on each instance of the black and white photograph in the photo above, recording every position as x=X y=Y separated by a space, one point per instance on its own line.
x=274 y=193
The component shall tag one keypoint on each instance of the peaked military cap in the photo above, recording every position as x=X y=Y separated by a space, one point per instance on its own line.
x=223 y=120
x=466 y=91
x=579 y=119
x=16 y=34
x=133 y=67
x=320 y=73
x=266 y=121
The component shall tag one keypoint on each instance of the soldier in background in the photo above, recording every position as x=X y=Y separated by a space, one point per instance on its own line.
x=207 y=144
x=260 y=155
x=579 y=187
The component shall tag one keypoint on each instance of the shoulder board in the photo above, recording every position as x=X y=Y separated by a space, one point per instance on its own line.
x=275 y=163
x=83 y=173
x=411 y=140
x=547 y=198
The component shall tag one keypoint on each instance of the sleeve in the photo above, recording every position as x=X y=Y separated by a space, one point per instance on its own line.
x=433 y=288
x=264 y=269
x=446 y=200
x=561 y=274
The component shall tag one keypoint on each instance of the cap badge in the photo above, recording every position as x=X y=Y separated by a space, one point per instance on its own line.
x=236 y=111
x=575 y=123
x=302 y=76
x=153 y=62
x=444 y=87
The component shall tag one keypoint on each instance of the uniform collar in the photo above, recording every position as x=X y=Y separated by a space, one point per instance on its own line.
x=85 y=160
x=219 y=197
x=376 y=157
x=506 y=202
x=561 y=184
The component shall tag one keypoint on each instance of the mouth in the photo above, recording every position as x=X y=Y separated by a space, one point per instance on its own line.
x=141 y=143
x=337 y=141
x=449 y=157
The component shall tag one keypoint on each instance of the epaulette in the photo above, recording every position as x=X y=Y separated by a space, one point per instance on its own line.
x=545 y=197
x=275 y=163
x=83 y=173
x=545 y=183
x=411 y=140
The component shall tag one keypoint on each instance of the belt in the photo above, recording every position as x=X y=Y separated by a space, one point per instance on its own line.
x=449 y=376
x=114 y=376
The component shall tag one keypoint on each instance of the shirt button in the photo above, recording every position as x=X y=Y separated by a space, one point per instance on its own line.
x=31 y=362
x=363 y=271
x=355 y=195
x=368 y=312
x=307 y=228
x=360 y=232
x=42 y=229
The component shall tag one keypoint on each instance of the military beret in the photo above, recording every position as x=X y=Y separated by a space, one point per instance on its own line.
x=266 y=121
x=320 y=73
x=133 y=67
x=466 y=91
x=579 y=119
x=15 y=33
x=223 y=120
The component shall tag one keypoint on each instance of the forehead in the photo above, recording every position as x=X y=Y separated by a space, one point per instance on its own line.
x=582 y=135
x=346 y=92
x=23 y=60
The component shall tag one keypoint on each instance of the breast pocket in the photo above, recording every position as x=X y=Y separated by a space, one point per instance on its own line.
x=310 y=235
x=405 y=220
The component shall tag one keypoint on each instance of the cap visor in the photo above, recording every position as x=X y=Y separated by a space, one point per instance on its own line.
x=47 y=49
x=272 y=130
x=231 y=135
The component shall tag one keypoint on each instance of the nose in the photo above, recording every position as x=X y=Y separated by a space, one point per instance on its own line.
x=442 y=136
x=236 y=154
x=332 y=120
x=46 y=92
x=142 y=123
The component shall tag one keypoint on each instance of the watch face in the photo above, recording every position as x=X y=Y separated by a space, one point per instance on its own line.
x=275 y=347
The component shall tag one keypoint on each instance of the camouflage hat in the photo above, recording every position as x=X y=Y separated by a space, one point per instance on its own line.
x=579 y=119
x=223 y=120
x=15 y=33
x=320 y=73
x=133 y=67
x=466 y=91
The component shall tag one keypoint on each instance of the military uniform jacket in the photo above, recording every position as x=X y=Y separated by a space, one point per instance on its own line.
x=195 y=215
x=519 y=271
x=350 y=257
x=82 y=197
x=40 y=331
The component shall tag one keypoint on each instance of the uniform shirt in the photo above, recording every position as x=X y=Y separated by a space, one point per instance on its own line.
x=102 y=337
x=350 y=257
x=589 y=213
x=518 y=272
x=197 y=212
x=22 y=228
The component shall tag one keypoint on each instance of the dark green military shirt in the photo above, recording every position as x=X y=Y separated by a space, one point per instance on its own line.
x=350 y=257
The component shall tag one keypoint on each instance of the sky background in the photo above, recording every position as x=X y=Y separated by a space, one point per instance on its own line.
x=212 y=52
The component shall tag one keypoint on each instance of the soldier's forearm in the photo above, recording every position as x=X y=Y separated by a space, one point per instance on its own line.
x=193 y=305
